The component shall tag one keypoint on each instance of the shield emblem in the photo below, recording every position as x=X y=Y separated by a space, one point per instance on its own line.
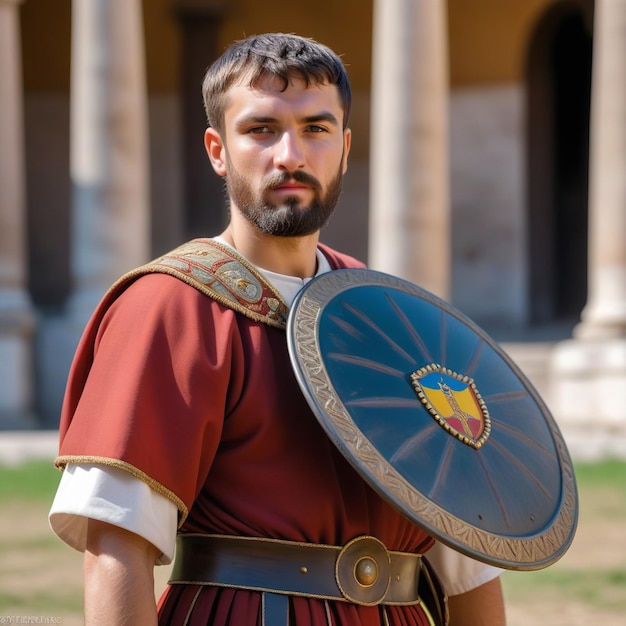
x=455 y=403
x=435 y=417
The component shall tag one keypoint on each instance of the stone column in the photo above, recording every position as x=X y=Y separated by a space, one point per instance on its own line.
x=16 y=315
x=605 y=313
x=109 y=155
x=409 y=232
x=590 y=370
x=109 y=174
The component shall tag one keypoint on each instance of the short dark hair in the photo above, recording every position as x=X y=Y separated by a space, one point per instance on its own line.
x=278 y=54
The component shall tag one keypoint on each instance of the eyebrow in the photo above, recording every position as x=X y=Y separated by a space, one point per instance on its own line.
x=322 y=116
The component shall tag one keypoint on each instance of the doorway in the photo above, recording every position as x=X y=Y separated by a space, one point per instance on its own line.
x=204 y=203
x=559 y=93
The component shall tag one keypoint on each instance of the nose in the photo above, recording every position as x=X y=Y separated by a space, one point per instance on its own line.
x=289 y=152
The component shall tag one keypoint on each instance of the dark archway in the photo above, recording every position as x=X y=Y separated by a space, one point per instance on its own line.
x=204 y=204
x=559 y=93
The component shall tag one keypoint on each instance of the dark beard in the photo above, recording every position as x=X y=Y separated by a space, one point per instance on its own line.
x=290 y=219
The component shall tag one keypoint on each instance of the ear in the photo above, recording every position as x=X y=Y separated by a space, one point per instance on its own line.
x=216 y=150
x=347 y=141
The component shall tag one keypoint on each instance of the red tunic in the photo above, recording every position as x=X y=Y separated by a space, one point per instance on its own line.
x=201 y=402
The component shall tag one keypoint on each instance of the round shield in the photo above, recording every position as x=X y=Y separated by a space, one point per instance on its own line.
x=435 y=417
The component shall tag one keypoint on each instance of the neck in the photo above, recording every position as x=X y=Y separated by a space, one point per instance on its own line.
x=292 y=256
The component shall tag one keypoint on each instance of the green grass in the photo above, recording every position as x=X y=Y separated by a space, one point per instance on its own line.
x=603 y=589
x=602 y=474
x=33 y=481
x=55 y=602
x=37 y=544
x=602 y=491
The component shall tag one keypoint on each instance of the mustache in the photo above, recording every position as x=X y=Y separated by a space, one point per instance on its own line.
x=297 y=176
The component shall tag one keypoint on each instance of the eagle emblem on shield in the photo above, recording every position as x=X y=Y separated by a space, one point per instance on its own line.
x=455 y=403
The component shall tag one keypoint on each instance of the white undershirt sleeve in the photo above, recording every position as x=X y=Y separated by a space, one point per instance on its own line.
x=110 y=494
x=459 y=573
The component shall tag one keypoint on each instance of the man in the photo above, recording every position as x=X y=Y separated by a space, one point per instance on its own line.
x=182 y=410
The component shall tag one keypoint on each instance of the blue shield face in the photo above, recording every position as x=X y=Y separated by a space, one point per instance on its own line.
x=434 y=416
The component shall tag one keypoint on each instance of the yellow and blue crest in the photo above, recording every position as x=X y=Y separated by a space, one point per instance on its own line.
x=455 y=403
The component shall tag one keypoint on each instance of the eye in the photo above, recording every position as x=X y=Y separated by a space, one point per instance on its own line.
x=314 y=128
x=259 y=130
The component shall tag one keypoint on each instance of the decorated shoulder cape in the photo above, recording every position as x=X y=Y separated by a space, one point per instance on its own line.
x=221 y=273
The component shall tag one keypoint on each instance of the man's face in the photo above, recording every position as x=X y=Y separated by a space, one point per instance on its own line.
x=284 y=155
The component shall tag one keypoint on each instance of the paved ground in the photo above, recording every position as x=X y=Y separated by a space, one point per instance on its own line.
x=19 y=446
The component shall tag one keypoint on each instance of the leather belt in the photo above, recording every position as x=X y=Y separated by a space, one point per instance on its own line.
x=363 y=571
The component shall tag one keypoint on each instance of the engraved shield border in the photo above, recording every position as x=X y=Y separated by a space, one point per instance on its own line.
x=523 y=549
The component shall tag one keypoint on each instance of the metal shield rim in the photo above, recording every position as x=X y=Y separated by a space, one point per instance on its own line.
x=515 y=553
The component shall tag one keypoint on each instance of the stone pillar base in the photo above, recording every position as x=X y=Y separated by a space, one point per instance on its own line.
x=589 y=395
x=17 y=324
x=57 y=338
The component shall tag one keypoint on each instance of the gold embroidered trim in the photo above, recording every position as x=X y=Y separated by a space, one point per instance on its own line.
x=61 y=461
x=231 y=252
x=157 y=266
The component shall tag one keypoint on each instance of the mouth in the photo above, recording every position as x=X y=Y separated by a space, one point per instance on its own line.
x=292 y=183
x=293 y=189
x=289 y=186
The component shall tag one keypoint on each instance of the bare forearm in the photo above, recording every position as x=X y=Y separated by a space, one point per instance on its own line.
x=483 y=606
x=118 y=579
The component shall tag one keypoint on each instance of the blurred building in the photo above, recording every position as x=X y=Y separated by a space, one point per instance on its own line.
x=488 y=165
